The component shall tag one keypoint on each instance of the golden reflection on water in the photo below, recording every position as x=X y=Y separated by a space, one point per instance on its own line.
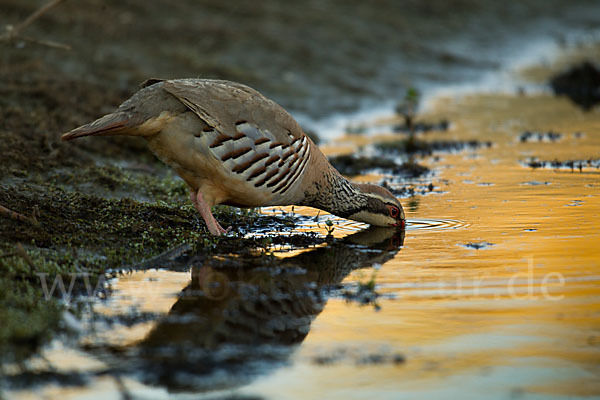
x=521 y=315
x=518 y=317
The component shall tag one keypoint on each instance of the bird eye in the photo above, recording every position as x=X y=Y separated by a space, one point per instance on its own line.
x=394 y=212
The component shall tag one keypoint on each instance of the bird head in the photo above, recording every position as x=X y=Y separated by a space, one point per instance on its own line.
x=382 y=208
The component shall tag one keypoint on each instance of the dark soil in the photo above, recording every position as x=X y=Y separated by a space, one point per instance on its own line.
x=413 y=145
x=352 y=166
x=581 y=84
x=477 y=245
x=572 y=165
x=422 y=127
x=411 y=190
x=532 y=136
x=343 y=356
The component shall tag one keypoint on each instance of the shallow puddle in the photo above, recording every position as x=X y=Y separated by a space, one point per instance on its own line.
x=492 y=291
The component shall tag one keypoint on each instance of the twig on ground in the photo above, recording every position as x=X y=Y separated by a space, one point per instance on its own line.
x=36 y=14
x=13 y=33
x=47 y=43
x=7 y=213
x=23 y=254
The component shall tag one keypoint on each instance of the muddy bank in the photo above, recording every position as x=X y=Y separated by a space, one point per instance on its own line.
x=78 y=234
x=312 y=57
x=581 y=84
x=352 y=166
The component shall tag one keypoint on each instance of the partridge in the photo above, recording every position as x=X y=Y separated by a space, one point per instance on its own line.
x=234 y=146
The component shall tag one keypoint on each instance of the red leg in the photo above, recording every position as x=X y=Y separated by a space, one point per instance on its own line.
x=223 y=230
x=204 y=210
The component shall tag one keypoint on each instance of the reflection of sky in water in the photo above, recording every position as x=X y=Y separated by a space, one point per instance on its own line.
x=516 y=318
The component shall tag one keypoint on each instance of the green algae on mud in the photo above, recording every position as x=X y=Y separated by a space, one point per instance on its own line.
x=76 y=233
x=80 y=233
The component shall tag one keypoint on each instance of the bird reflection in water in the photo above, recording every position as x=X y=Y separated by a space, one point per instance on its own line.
x=238 y=319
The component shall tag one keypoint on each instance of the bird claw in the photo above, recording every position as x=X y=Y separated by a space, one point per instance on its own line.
x=223 y=231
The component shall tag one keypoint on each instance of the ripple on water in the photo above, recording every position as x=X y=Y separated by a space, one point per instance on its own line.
x=434 y=224
x=349 y=226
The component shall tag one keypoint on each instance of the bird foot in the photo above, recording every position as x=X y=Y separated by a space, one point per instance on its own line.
x=221 y=230
x=205 y=210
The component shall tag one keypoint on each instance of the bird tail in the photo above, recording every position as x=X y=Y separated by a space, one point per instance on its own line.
x=117 y=123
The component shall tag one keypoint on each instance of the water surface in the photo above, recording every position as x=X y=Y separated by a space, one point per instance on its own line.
x=492 y=291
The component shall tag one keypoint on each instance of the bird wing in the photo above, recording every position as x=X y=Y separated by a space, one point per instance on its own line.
x=222 y=104
x=254 y=137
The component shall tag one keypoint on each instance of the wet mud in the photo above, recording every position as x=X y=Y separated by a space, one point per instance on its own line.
x=581 y=84
x=351 y=165
x=414 y=145
x=572 y=165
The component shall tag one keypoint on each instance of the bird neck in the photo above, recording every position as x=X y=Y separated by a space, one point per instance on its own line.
x=335 y=194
